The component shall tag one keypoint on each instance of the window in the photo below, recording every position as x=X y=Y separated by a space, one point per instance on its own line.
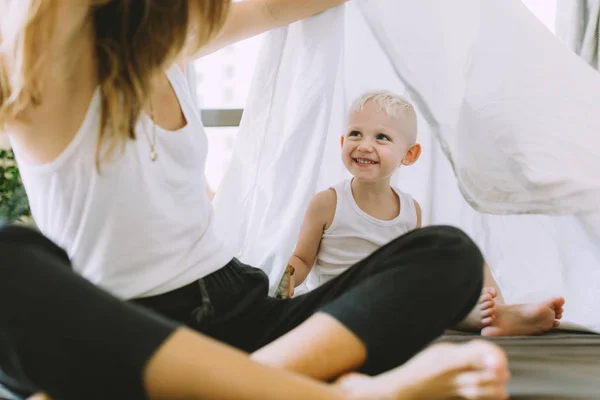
x=545 y=10
x=220 y=145
x=222 y=84
x=223 y=78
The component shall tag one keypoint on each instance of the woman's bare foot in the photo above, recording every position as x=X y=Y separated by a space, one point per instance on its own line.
x=39 y=396
x=477 y=370
x=525 y=319
x=483 y=313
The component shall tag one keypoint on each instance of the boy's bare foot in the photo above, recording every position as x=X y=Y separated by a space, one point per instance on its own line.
x=483 y=313
x=487 y=306
x=525 y=319
x=477 y=370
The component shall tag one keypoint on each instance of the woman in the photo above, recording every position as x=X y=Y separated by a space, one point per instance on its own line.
x=112 y=155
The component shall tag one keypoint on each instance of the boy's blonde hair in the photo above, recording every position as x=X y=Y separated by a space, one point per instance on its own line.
x=390 y=103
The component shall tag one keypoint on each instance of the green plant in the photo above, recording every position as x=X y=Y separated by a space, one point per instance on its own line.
x=14 y=206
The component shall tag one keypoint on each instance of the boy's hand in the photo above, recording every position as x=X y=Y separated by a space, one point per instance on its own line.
x=292 y=282
x=285 y=290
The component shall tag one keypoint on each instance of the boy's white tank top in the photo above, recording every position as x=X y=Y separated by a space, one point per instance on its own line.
x=354 y=234
x=137 y=228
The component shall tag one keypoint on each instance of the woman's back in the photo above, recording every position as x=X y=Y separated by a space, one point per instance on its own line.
x=138 y=227
x=73 y=97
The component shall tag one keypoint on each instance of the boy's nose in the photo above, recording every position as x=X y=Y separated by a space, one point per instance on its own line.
x=365 y=147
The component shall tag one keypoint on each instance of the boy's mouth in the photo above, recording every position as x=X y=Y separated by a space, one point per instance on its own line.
x=364 y=161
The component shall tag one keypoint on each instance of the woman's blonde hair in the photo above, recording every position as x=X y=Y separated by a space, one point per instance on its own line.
x=135 y=40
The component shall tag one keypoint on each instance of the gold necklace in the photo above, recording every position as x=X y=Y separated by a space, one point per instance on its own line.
x=152 y=141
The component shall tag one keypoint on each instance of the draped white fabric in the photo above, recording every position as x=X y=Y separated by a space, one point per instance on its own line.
x=578 y=25
x=277 y=156
x=489 y=83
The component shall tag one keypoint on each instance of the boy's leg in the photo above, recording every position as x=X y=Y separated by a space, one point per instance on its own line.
x=380 y=312
x=483 y=313
x=490 y=282
x=493 y=317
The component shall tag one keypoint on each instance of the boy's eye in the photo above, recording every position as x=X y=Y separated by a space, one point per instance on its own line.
x=381 y=136
x=354 y=133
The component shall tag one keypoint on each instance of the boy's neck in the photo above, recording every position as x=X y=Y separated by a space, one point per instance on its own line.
x=370 y=190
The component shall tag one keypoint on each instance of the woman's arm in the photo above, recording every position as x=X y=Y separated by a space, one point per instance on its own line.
x=252 y=17
x=197 y=367
x=318 y=218
x=191 y=366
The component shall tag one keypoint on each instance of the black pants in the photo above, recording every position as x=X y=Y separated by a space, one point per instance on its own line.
x=62 y=335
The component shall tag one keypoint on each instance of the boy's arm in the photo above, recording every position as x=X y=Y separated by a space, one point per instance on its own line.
x=418 y=208
x=318 y=218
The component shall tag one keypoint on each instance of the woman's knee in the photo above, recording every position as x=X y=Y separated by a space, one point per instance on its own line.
x=18 y=243
x=449 y=235
x=456 y=246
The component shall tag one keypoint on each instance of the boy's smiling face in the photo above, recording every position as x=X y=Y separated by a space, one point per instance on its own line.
x=376 y=144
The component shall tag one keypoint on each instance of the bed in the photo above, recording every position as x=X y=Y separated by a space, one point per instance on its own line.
x=559 y=365
x=555 y=366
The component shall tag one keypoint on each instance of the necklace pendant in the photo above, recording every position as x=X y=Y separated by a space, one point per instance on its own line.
x=153 y=155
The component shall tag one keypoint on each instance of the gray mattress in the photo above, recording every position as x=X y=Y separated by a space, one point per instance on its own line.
x=555 y=366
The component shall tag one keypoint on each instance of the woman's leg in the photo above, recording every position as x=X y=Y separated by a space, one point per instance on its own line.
x=64 y=336
x=61 y=334
x=382 y=311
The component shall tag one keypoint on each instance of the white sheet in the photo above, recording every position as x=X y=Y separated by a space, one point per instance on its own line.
x=277 y=157
x=578 y=25
x=521 y=138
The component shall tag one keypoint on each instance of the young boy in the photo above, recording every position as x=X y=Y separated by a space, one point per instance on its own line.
x=351 y=220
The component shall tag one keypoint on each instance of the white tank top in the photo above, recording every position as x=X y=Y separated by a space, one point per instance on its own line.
x=354 y=234
x=138 y=228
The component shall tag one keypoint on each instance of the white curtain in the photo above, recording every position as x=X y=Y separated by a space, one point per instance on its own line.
x=578 y=25
x=488 y=81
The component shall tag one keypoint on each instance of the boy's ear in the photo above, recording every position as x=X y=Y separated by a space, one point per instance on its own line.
x=342 y=140
x=412 y=155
